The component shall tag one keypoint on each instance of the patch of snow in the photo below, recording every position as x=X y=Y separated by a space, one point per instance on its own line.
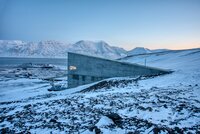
x=104 y=121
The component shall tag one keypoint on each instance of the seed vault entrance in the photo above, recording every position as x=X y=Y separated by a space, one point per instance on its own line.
x=83 y=69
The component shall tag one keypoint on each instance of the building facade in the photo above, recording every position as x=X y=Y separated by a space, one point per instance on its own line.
x=83 y=69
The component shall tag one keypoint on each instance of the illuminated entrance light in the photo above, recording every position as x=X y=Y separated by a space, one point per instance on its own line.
x=72 y=68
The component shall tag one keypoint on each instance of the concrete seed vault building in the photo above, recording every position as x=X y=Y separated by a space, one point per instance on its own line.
x=83 y=69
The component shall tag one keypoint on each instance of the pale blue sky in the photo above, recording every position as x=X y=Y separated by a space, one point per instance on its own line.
x=170 y=24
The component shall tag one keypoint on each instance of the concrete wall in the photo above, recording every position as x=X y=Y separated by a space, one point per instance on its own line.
x=90 y=69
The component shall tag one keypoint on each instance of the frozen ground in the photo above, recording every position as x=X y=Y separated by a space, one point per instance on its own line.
x=162 y=104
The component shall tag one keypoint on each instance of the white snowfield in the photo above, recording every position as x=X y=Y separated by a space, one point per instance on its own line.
x=185 y=63
x=163 y=104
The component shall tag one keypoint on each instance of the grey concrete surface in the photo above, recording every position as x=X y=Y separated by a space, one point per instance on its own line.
x=83 y=69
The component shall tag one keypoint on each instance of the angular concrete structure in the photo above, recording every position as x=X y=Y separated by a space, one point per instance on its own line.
x=83 y=69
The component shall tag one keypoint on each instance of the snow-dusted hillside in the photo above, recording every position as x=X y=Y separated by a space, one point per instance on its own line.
x=173 y=59
x=142 y=50
x=151 y=105
x=58 y=49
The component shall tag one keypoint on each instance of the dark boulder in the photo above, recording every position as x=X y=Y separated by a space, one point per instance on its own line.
x=95 y=129
x=115 y=118
x=53 y=120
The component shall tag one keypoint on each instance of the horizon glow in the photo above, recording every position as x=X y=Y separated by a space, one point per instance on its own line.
x=171 y=24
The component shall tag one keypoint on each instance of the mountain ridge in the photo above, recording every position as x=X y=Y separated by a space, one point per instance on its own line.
x=57 y=49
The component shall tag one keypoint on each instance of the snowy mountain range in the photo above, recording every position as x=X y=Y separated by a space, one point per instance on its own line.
x=142 y=50
x=52 y=49
x=16 y=48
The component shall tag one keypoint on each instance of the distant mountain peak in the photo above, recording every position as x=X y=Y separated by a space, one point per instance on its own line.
x=84 y=41
x=91 y=42
x=97 y=48
x=139 y=50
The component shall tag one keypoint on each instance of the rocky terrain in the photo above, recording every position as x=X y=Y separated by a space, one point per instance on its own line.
x=156 y=110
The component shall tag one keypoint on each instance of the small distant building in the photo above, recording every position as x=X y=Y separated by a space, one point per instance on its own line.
x=83 y=69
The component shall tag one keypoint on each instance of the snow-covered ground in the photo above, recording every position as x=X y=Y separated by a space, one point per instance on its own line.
x=162 y=104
